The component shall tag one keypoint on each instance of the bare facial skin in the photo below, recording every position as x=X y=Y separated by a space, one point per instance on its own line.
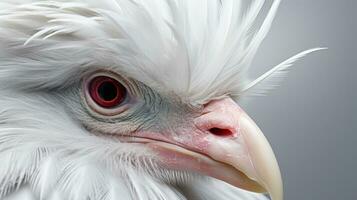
x=224 y=143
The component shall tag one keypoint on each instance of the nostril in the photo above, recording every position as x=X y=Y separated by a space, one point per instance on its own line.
x=220 y=132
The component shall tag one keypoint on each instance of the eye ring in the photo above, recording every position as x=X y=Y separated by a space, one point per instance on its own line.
x=106 y=93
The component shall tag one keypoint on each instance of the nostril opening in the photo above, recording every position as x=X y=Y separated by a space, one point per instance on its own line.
x=220 y=132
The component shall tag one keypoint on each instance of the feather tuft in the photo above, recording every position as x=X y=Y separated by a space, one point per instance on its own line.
x=273 y=77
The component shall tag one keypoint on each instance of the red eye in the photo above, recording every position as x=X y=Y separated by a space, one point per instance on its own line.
x=107 y=92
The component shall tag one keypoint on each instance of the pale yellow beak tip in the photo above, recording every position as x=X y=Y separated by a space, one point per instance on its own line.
x=267 y=171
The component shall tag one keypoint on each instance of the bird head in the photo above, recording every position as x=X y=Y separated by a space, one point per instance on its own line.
x=132 y=99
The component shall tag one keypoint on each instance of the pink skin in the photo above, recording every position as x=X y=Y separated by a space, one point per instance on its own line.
x=223 y=143
x=213 y=151
x=220 y=114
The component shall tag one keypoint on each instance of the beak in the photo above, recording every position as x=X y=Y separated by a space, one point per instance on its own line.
x=229 y=147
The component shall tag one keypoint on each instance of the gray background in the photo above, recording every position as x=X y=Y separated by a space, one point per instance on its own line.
x=310 y=119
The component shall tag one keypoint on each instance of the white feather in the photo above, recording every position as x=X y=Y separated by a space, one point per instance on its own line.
x=46 y=177
x=199 y=50
x=117 y=190
x=263 y=31
x=23 y=194
x=273 y=77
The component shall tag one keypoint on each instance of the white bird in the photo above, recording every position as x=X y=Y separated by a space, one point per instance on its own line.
x=133 y=100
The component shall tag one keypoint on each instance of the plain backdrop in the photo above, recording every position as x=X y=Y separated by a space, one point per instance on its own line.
x=311 y=119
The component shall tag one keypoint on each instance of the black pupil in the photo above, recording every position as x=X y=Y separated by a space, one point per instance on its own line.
x=108 y=91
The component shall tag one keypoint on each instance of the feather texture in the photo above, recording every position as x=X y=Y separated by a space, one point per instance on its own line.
x=45 y=178
x=49 y=149
x=199 y=50
x=273 y=77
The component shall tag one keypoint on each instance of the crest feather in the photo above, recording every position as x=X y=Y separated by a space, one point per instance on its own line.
x=199 y=50
x=273 y=77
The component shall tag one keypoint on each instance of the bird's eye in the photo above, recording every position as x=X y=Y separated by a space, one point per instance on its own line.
x=107 y=92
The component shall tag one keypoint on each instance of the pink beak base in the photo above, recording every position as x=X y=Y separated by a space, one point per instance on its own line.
x=243 y=159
